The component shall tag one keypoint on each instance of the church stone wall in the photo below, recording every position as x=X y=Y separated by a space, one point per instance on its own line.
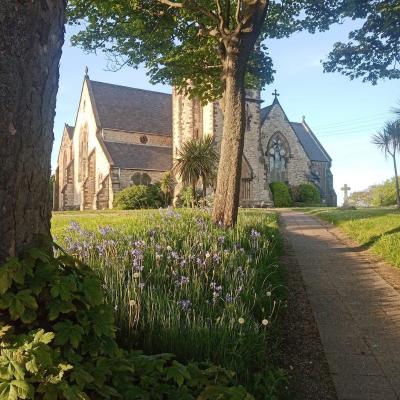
x=298 y=164
x=136 y=137
x=125 y=176
x=259 y=193
x=86 y=120
x=61 y=178
x=259 y=190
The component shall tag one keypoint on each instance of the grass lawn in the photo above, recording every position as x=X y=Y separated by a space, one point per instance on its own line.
x=179 y=284
x=375 y=228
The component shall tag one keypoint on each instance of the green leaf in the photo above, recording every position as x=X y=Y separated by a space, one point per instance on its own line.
x=23 y=389
x=5 y=300
x=66 y=331
x=44 y=337
x=92 y=289
x=28 y=316
x=5 y=279
x=25 y=296
x=57 y=306
x=178 y=373
x=7 y=391
x=39 y=255
x=16 y=308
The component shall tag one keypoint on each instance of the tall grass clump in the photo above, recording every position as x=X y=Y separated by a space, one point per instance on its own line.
x=179 y=284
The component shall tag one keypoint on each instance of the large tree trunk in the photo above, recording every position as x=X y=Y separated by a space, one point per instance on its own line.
x=31 y=37
x=396 y=178
x=226 y=201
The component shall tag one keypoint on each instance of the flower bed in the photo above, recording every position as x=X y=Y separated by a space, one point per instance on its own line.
x=179 y=284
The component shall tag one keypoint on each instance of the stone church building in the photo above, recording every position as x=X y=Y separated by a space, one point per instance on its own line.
x=122 y=132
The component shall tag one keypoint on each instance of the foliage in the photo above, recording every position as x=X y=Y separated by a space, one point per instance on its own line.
x=376 y=229
x=305 y=194
x=167 y=186
x=186 y=198
x=281 y=194
x=372 y=51
x=179 y=284
x=184 y=44
x=57 y=342
x=388 y=140
x=196 y=159
x=138 y=196
x=383 y=194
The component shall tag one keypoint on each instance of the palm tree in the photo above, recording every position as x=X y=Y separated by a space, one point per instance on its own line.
x=167 y=185
x=197 y=158
x=388 y=140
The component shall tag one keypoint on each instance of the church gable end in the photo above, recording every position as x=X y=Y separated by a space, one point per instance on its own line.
x=283 y=156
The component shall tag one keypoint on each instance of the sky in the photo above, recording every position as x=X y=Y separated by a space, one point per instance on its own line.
x=343 y=114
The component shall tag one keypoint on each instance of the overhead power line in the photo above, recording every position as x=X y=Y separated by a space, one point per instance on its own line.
x=353 y=120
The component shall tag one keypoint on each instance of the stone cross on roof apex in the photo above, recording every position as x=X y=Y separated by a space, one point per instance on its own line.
x=276 y=94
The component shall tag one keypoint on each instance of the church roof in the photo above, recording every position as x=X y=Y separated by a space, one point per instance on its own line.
x=139 y=156
x=132 y=110
x=310 y=143
x=70 y=130
x=264 y=113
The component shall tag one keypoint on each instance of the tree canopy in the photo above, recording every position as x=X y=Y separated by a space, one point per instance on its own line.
x=372 y=52
x=181 y=44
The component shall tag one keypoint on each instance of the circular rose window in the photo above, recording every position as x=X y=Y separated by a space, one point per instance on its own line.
x=143 y=139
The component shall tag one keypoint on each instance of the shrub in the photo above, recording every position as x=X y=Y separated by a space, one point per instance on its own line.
x=57 y=342
x=281 y=194
x=305 y=193
x=138 y=196
x=185 y=197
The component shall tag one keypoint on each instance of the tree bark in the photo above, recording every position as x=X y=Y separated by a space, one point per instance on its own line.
x=226 y=201
x=31 y=37
x=204 y=185
x=193 y=194
x=396 y=178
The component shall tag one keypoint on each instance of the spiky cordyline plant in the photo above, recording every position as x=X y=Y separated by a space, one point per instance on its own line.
x=197 y=158
x=388 y=140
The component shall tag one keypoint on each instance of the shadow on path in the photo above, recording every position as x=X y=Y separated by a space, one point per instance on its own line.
x=356 y=310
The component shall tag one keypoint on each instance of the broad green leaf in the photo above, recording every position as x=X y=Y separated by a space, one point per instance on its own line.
x=92 y=290
x=16 y=308
x=25 y=296
x=5 y=280
x=23 y=389
x=44 y=337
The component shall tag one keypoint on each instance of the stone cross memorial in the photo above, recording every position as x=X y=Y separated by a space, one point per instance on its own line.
x=346 y=190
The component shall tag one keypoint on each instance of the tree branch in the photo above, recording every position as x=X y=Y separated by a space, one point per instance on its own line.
x=238 y=11
x=171 y=4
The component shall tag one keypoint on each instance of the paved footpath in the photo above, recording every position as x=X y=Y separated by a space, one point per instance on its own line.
x=357 y=311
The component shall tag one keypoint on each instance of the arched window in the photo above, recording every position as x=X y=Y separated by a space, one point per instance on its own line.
x=278 y=157
x=83 y=154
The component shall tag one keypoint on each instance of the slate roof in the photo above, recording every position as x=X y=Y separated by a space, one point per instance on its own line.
x=139 y=156
x=132 y=110
x=310 y=143
x=70 y=130
x=264 y=113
